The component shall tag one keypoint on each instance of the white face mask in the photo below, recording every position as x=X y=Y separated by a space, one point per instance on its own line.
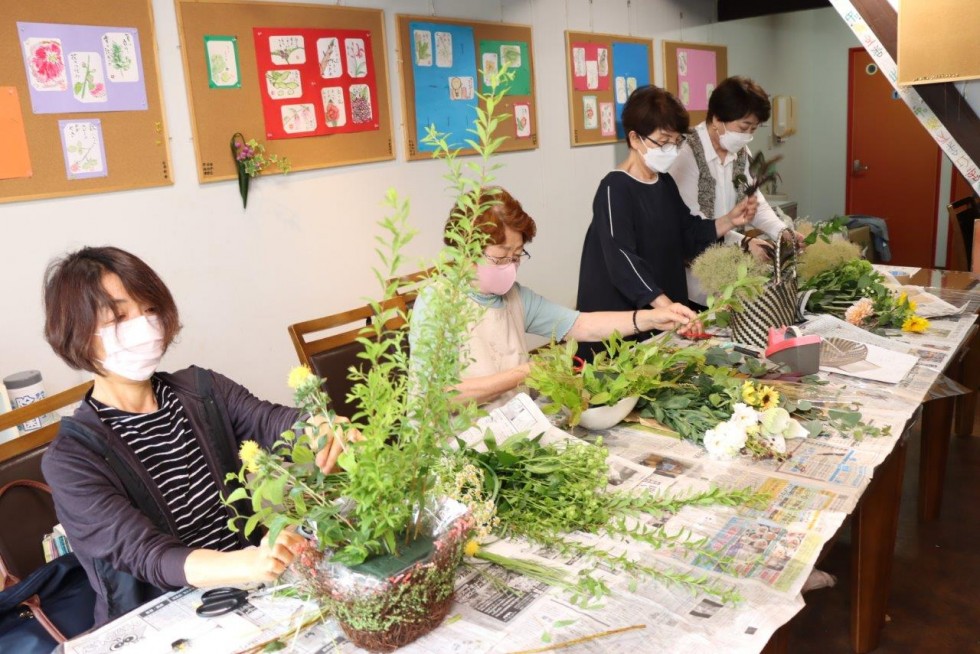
x=133 y=348
x=734 y=141
x=659 y=161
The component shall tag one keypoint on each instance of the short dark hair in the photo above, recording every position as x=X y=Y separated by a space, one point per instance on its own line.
x=738 y=97
x=74 y=296
x=650 y=108
x=505 y=211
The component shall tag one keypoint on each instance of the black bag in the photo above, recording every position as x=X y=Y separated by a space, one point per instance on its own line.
x=50 y=605
x=778 y=305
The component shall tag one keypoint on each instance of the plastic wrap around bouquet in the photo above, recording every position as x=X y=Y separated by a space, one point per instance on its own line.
x=391 y=600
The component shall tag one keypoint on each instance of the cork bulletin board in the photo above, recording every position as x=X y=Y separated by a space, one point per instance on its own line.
x=81 y=109
x=603 y=69
x=440 y=63
x=309 y=82
x=692 y=71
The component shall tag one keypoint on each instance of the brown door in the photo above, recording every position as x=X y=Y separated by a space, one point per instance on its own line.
x=893 y=164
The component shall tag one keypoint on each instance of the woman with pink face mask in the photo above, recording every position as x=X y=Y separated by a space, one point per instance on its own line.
x=138 y=470
x=497 y=347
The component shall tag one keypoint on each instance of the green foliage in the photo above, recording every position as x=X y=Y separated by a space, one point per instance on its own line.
x=405 y=419
x=544 y=492
x=826 y=230
x=822 y=256
x=718 y=266
x=836 y=289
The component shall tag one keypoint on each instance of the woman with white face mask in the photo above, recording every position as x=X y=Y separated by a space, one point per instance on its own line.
x=642 y=233
x=715 y=154
x=497 y=347
x=137 y=471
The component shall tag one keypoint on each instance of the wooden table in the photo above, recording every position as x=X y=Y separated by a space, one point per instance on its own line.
x=874 y=523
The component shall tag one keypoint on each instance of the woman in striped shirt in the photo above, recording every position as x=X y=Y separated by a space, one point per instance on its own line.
x=138 y=471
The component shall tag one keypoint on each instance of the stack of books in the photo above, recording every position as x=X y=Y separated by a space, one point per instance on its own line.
x=55 y=544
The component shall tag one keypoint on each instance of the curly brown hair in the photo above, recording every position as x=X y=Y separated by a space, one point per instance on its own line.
x=504 y=211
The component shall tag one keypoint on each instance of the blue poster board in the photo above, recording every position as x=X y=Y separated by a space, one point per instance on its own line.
x=631 y=64
x=444 y=72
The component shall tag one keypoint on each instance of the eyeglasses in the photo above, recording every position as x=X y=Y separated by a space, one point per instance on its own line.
x=502 y=261
x=668 y=147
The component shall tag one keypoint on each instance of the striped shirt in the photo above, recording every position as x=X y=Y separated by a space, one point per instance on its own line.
x=166 y=447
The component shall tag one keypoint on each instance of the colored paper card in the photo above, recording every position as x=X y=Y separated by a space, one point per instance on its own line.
x=697 y=75
x=607 y=119
x=15 y=160
x=224 y=71
x=444 y=95
x=83 y=148
x=315 y=82
x=522 y=120
x=517 y=58
x=82 y=68
x=631 y=68
x=590 y=112
x=590 y=67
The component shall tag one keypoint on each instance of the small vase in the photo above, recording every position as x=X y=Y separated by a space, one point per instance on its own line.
x=603 y=417
x=383 y=613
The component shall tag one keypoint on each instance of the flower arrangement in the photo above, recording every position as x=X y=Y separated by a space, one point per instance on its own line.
x=758 y=426
x=887 y=311
x=251 y=160
x=385 y=539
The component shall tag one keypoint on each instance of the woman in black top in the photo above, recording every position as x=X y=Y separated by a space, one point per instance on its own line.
x=642 y=233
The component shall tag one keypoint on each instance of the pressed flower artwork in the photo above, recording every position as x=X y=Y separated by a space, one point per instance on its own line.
x=83 y=148
x=82 y=68
x=46 y=64
x=330 y=85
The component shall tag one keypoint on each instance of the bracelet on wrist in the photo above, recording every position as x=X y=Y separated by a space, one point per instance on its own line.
x=636 y=328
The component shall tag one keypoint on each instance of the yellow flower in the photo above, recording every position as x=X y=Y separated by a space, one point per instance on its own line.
x=916 y=324
x=749 y=394
x=471 y=547
x=768 y=398
x=298 y=376
x=249 y=453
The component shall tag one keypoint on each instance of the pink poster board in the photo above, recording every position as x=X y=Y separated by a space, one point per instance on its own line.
x=697 y=76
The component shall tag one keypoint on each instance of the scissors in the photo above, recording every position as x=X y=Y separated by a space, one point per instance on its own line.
x=220 y=601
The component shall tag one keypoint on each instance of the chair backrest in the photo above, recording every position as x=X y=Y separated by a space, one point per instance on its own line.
x=975 y=260
x=408 y=285
x=862 y=237
x=332 y=356
x=27 y=514
x=962 y=215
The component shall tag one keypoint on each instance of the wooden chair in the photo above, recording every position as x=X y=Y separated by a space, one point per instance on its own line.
x=408 y=285
x=332 y=356
x=975 y=259
x=962 y=215
x=27 y=514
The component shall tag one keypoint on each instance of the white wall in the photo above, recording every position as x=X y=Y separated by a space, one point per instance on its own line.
x=304 y=247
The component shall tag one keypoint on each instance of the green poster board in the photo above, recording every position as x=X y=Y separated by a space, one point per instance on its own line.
x=493 y=55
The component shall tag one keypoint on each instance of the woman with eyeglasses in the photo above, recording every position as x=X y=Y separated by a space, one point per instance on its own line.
x=642 y=234
x=715 y=154
x=497 y=348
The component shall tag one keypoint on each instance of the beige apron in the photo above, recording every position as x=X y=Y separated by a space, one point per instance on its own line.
x=498 y=343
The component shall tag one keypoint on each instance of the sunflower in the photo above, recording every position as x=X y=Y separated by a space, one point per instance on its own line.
x=768 y=398
x=916 y=324
x=749 y=394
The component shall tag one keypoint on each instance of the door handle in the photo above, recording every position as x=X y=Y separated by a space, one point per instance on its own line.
x=857 y=167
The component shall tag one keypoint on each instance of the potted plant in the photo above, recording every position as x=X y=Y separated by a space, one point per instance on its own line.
x=384 y=542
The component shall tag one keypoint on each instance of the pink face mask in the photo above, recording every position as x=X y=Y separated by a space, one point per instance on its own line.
x=495 y=279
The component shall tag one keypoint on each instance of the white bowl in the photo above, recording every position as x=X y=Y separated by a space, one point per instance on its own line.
x=604 y=417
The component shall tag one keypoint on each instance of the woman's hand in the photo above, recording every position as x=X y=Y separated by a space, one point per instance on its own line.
x=737 y=217
x=664 y=318
x=268 y=561
x=337 y=439
x=760 y=249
